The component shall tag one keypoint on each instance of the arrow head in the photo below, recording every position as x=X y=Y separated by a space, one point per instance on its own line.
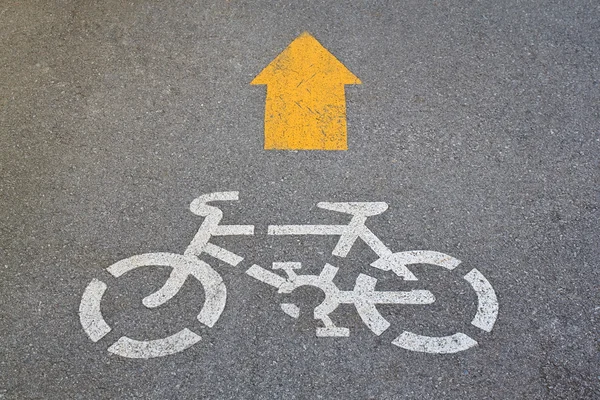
x=305 y=59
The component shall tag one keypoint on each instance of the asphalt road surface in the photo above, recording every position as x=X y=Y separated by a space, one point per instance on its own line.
x=477 y=122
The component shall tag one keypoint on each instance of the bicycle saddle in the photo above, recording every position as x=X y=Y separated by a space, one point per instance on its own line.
x=366 y=209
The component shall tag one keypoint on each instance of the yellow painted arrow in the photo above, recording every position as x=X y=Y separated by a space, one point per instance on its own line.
x=306 y=103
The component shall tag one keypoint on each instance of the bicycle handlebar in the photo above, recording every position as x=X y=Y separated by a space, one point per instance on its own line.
x=199 y=207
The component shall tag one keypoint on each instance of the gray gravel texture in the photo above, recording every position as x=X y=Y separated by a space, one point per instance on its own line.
x=477 y=121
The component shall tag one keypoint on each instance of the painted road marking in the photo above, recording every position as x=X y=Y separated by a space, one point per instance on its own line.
x=183 y=266
x=487 y=302
x=90 y=315
x=291 y=309
x=210 y=227
x=438 y=345
x=131 y=348
x=363 y=296
x=306 y=102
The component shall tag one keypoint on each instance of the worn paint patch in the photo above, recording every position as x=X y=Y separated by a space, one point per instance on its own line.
x=306 y=103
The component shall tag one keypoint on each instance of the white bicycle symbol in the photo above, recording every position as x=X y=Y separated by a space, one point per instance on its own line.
x=364 y=297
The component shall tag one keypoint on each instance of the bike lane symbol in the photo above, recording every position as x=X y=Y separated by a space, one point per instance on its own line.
x=364 y=296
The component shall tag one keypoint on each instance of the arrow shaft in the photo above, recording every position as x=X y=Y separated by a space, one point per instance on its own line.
x=305 y=118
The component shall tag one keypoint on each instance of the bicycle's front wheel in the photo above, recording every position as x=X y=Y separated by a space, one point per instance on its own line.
x=487 y=307
x=215 y=298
